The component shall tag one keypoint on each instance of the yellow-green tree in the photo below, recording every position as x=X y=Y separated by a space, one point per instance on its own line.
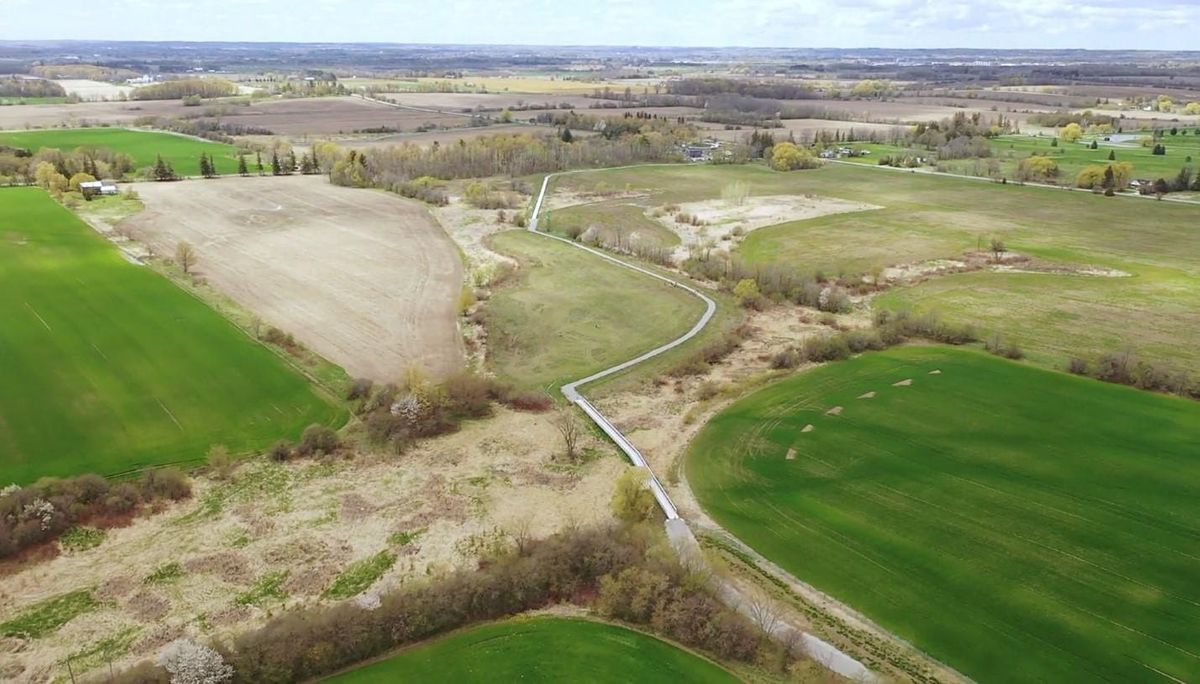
x=786 y=156
x=81 y=177
x=1071 y=132
x=1037 y=167
x=1192 y=108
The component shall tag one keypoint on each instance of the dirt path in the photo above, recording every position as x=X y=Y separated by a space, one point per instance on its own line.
x=366 y=279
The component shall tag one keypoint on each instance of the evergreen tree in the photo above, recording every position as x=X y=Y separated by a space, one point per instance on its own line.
x=258 y=158
x=1112 y=155
x=163 y=170
x=205 y=169
x=566 y=135
x=291 y=164
x=276 y=167
x=1095 y=145
x=242 y=170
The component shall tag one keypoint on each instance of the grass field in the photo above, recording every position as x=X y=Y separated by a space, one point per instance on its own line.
x=144 y=146
x=1071 y=157
x=542 y=649
x=1019 y=524
x=572 y=314
x=108 y=367
x=1156 y=310
x=613 y=221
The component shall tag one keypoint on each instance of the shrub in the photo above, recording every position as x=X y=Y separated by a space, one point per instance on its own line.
x=360 y=389
x=996 y=345
x=536 y=402
x=316 y=440
x=822 y=348
x=280 y=451
x=788 y=358
x=1077 y=366
x=633 y=502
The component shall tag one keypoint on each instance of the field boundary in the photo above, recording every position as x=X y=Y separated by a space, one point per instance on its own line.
x=680 y=535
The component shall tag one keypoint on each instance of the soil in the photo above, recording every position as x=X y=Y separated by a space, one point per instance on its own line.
x=722 y=220
x=495 y=481
x=366 y=279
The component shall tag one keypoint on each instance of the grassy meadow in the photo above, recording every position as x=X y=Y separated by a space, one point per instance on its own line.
x=108 y=367
x=570 y=314
x=542 y=649
x=1016 y=523
x=143 y=146
x=1155 y=310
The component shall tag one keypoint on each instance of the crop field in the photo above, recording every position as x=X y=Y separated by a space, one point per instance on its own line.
x=144 y=146
x=542 y=649
x=366 y=279
x=1005 y=519
x=108 y=368
x=571 y=314
x=1155 y=310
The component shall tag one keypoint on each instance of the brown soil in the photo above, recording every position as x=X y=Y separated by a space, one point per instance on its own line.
x=366 y=279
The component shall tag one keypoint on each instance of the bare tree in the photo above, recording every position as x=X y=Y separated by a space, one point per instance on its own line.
x=569 y=427
x=765 y=613
x=997 y=248
x=185 y=255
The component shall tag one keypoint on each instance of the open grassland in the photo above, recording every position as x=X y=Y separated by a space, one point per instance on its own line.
x=611 y=222
x=144 y=146
x=1016 y=523
x=1156 y=310
x=571 y=314
x=108 y=368
x=542 y=649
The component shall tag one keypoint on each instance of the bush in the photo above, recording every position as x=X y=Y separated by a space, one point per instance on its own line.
x=360 y=389
x=280 y=451
x=316 y=440
x=788 y=358
x=996 y=345
x=822 y=348
x=41 y=512
x=1077 y=366
x=536 y=402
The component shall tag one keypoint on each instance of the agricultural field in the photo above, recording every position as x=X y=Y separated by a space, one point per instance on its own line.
x=570 y=314
x=542 y=649
x=109 y=368
x=1118 y=272
x=1003 y=518
x=182 y=152
x=376 y=295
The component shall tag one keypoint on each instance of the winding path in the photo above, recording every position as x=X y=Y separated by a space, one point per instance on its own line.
x=678 y=532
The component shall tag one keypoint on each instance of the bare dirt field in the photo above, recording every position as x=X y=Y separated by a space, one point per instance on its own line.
x=93 y=91
x=366 y=279
x=803 y=129
x=329 y=115
x=448 y=135
x=722 y=221
x=902 y=111
x=48 y=115
x=486 y=101
x=436 y=508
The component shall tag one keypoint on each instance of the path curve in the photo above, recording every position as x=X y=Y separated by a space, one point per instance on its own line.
x=680 y=535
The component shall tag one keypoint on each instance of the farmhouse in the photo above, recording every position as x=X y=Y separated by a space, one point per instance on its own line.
x=93 y=188
x=700 y=151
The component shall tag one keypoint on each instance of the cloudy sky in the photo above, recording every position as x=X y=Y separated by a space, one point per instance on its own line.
x=1097 y=24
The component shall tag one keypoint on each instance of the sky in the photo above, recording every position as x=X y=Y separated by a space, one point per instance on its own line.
x=1095 y=24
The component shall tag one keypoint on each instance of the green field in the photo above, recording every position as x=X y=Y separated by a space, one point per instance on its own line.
x=108 y=367
x=543 y=649
x=144 y=146
x=1016 y=523
x=571 y=313
x=1071 y=157
x=1156 y=310
x=613 y=221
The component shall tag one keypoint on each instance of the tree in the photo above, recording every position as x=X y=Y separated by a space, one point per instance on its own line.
x=276 y=167
x=786 y=156
x=290 y=167
x=81 y=177
x=185 y=255
x=1112 y=155
x=193 y=663
x=205 y=169
x=997 y=248
x=1094 y=146
x=1036 y=167
x=242 y=170
x=632 y=501
x=258 y=162
x=570 y=429
x=1183 y=180
x=1071 y=132
x=1159 y=150
x=566 y=135
x=163 y=170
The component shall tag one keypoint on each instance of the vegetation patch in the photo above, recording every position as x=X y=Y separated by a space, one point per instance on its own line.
x=165 y=574
x=81 y=538
x=145 y=147
x=360 y=575
x=543 y=649
x=267 y=589
x=976 y=486
x=47 y=616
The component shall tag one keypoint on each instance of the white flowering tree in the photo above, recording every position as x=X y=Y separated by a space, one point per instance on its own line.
x=193 y=663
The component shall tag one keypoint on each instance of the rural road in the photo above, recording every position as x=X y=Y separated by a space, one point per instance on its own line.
x=678 y=532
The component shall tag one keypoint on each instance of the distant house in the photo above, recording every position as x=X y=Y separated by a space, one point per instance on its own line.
x=701 y=151
x=94 y=188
